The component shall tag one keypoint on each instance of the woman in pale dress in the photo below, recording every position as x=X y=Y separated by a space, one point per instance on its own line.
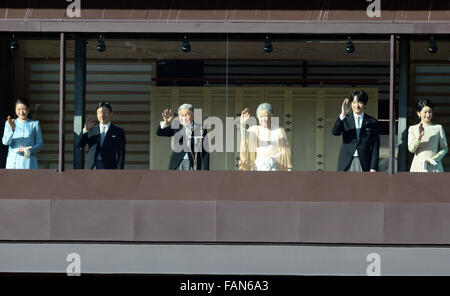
x=427 y=141
x=263 y=147
x=24 y=138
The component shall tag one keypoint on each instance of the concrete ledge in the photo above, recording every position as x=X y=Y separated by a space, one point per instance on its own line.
x=223 y=259
x=224 y=206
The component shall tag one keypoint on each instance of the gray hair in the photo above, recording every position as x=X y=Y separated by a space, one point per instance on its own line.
x=186 y=106
x=264 y=106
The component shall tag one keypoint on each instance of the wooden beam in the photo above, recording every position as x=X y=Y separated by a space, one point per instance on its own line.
x=62 y=99
x=403 y=96
x=391 y=104
x=79 y=101
x=5 y=92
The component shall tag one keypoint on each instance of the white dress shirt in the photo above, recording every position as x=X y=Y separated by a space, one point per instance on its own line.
x=358 y=123
x=103 y=131
x=187 y=129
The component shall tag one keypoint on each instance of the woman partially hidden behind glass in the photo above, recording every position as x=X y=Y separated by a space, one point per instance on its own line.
x=426 y=140
x=263 y=147
x=24 y=138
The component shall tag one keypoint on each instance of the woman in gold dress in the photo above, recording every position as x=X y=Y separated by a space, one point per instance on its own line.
x=264 y=147
x=427 y=141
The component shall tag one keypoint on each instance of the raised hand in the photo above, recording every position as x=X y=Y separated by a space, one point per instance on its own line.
x=167 y=116
x=245 y=115
x=11 y=123
x=345 y=107
x=90 y=122
x=421 y=131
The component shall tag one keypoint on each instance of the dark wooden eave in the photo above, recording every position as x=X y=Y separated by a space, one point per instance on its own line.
x=219 y=16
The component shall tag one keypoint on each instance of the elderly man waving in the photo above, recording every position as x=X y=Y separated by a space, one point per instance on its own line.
x=189 y=142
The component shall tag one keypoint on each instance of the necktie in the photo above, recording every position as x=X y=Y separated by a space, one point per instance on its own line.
x=192 y=139
x=102 y=135
x=358 y=127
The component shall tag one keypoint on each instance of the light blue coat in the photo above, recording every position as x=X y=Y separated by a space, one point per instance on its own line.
x=26 y=134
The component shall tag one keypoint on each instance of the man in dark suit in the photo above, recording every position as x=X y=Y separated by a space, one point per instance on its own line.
x=106 y=141
x=360 y=136
x=189 y=142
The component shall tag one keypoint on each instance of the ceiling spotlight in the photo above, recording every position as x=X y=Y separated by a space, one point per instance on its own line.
x=14 y=45
x=186 y=46
x=268 y=45
x=101 y=46
x=350 y=47
x=433 y=47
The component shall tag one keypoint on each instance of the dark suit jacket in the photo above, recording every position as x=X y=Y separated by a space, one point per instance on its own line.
x=176 y=158
x=112 y=151
x=368 y=145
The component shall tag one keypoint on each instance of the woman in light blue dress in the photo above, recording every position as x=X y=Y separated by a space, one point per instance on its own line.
x=24 y=138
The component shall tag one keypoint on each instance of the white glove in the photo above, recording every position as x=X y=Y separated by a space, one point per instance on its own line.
x=27 y=152
x=432 y=161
